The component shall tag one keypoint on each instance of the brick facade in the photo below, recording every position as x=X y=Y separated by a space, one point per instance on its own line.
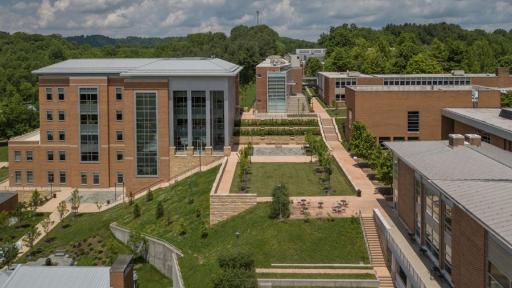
x=405 y=198
x=468 y=251
x=261 y=87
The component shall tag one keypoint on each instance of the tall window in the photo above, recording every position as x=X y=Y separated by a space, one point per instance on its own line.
x=17 y=176
x=119 y=93
x=413 y=121
x=217 y=120
x=496 y=278
x=417 y=195
x=276 y=92
x=50 y=177
x=180 y=120
x=62 y=116
x=30 y=177
x=89 y=130
x=49 y=95
x=49 y=115
x=447 y=238
x=198 y=120
x=17 y=156
x=62 y=177
x=61 y=94
x=95 y=178
x=120 y=178
x=29 y=156
x=146 y=134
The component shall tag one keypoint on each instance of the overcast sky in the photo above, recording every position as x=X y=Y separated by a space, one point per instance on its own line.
x=303 y=19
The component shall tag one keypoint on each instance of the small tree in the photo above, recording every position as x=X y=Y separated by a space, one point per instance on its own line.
x=99 y=204
x=35 y=200
x=385 y=169
x=46 y=224
x=75 y=201
x=159 y=210
x=130 y=198
x=10 y=253
x=62 y=208
x=149 y=195
x=18 y=210
x=139 y=244
x=136 y=211
x=280 y=203
x=31 y=237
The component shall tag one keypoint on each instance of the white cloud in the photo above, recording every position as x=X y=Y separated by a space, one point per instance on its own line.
x=174 y=18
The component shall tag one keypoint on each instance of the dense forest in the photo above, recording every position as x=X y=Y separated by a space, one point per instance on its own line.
x=407 y=48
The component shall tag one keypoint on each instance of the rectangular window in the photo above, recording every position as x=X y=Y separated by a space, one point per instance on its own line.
x=29 y=156
x=62 y=155
x=340 y=97
x=61 y=94
x=217 y=120
x=95 y=179
x=62 y=177
x=30 y=177
x=146 y=134
x=383 y=139
x=119 y=155
x=413 y=121
x=51 y=178
x=120 y=178
x=119 y=115
x=62 y=136
x=62 y=116
x=486 y=137
x=17 y=156
x=497 y=279
x=83 y=178
x=49 y=115
x=413 y=138
x=17 y=176
x=199 y=120
x=398 y=138
x=180 y=120
x=49 y=135
x=49 y=95
x=119 y=136
x=49 y=155
x=89 y=129
x=119 y=93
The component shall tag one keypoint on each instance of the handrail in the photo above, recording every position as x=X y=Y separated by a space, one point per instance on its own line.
x=365 y=239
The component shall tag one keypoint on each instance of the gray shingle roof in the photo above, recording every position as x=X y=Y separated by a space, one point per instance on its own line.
x=479 y=179
x=143 y=67
x=486 y=119
x=58 y=277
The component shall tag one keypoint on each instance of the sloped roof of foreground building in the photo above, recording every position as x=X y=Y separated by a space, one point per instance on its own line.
x=149 y=67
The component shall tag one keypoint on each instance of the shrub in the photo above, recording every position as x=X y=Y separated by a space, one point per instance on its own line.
x=235 y=278
x=149 y=195
x=136 y=211
x=181 y=227
x=241 y=260
x=280 y=203
x=308 y=122
x=159 y=210
x=205 y=231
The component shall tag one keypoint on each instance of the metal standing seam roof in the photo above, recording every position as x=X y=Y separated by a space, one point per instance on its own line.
x=478 y=178
x=58 y=277
x=143 y=67
x=486 y=119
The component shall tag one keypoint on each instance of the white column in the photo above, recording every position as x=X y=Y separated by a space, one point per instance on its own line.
x=189 y=118
x=208 y=120
x=226 y=118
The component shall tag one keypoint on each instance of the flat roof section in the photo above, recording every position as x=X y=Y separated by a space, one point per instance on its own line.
x=143 y=67
x=416 y=88
x=486 y=119
x=5 y=196
x=348 y=74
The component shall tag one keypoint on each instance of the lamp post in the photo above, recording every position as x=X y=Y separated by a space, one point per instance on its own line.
x=237 y=235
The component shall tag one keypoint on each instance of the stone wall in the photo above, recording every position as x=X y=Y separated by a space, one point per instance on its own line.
x=161 y=254
x=227 y=205
x=183 y=163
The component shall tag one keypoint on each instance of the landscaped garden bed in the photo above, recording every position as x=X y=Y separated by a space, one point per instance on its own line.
x=184 y=223
x=11 y=233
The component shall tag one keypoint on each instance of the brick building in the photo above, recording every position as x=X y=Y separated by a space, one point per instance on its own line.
x=394 y=112
x=493 y=125
x=135 y=122
x=331 y=85
x=276 y=81
x=454 y=199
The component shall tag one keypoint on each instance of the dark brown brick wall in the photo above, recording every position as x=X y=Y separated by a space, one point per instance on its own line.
x=261 y=87
x=9 y=204
x=468 y=251
x=405 y=199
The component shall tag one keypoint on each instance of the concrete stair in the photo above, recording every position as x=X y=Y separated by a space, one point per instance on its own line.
x=375 y=252
x=329 y=129
x=295 y=104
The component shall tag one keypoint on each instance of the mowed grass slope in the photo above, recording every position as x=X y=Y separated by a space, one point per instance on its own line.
x=299 y=178
x=293 y=241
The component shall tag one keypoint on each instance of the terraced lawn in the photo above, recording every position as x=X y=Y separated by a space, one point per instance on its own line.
x=300 y=179
x=187 y=202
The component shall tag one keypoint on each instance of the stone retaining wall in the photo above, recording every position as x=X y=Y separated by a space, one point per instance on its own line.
x=223 y=206
x=161 y=254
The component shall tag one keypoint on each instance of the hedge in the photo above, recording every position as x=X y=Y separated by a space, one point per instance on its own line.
x=266 y=131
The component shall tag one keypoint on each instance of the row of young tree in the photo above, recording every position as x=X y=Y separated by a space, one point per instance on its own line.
x=414 y=48
x=364 y=145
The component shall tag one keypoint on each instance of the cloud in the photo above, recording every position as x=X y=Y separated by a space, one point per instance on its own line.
x=294 y=18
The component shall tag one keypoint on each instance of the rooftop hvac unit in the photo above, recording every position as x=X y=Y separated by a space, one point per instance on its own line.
x=458 y=72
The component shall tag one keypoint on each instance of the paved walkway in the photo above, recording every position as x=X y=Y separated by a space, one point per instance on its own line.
x=4 y=164
x=229 y=173
x=314 y=271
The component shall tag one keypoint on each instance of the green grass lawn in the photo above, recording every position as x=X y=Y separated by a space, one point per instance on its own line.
x=314 y=276
x=3 y=152
x=292 y=241
x=149 y=277
x=4 y=173
x=300 y=179
x=247 y=95
x=337 y=112
x=11 y=234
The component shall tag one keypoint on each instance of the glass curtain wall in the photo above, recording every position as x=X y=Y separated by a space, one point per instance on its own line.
x=199 y=120
x=217 y=120
x=146 y=134
x=180 y=120
x=447 y=238
x=276 y=92
x=89 y=130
